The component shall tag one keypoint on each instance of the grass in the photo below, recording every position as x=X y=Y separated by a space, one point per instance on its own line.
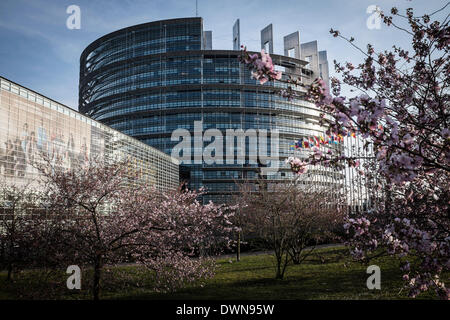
x=330 y=273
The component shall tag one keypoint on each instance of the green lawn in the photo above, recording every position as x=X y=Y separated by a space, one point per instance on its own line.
x=328 y=274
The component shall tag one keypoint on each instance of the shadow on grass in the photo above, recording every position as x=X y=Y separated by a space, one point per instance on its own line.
x=327 y=274
x=301 y=282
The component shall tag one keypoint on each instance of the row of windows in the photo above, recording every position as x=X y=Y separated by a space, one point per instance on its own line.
x=164 y=129
x=30 y=130
x=129 y=44
x=253 y=98
x=302 y=112
x=209 y=117
x=230 y=174
x=256 y=98
x=156 y=73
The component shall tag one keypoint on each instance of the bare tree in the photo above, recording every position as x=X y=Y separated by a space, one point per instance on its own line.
x=291 y=216
x=18 y=205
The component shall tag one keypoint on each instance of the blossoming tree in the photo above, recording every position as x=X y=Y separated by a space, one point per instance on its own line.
x=100 y=215
x=16 y=206
x=402 y=113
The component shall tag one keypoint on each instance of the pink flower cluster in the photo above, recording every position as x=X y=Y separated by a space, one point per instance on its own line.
x=297 y=165
x=415 y=226
x=403 y=116
x=98 y=218
x=262 y=66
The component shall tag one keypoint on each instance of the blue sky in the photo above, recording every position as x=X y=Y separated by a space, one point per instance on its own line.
x=38 y=50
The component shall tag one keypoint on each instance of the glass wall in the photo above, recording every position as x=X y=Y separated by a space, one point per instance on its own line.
x=148 y=84
x=33 y=127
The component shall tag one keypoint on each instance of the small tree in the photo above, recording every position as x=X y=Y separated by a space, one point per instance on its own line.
x=179 y=228
x=292 y=217
x=100 y=216
x=18 y=204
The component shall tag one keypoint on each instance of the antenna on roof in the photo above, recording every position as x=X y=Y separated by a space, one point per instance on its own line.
x=196 y=8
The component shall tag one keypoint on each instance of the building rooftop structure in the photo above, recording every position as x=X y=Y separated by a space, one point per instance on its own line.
x=152 y=79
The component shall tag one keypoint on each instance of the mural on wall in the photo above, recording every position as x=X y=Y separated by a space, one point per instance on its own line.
x=33 y=128
x=30 y=131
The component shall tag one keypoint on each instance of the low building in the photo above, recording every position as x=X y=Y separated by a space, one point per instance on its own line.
x=32 y=125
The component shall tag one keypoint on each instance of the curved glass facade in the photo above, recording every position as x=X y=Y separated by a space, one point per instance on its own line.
x=151 y=79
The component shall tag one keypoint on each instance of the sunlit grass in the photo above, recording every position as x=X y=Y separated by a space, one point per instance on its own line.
x=330 y=273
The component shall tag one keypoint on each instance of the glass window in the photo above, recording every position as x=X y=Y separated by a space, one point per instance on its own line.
x=291 y=53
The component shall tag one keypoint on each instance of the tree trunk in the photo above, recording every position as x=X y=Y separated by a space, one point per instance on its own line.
x=279 y=275
x=281 y=266
x=296 y=256
x=238 y=252
x=97 y=277
x=10 y=270
x=10 y=262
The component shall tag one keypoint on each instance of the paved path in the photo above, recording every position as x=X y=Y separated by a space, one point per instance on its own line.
x=255 y=253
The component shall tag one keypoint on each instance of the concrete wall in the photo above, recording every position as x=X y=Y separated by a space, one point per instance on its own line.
x=267 y=36
x=323 y=67
x=309 y=52
x=292 y=41
x=207 y=40
x=236 y=36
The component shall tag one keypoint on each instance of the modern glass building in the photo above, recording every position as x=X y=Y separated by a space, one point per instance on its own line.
x=151 y=79
x=33 y=126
